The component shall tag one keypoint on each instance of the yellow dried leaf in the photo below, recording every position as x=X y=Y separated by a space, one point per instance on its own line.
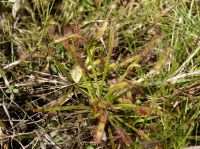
x=76 y=73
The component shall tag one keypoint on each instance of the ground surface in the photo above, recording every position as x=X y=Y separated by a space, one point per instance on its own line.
x=99 y=74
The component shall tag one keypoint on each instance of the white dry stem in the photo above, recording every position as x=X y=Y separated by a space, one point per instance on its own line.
x=16 y=7
x=19 y=143
x=15 y=135
x=8 y=115
x=187 y=61
x=174 y=79
x=12 y=64
x=193 y=147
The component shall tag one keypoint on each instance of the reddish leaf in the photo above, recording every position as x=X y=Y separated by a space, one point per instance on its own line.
x=100 y=132
x=142 y=111
x=124 y=138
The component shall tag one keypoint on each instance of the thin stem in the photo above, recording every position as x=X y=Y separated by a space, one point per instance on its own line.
x=110 y=47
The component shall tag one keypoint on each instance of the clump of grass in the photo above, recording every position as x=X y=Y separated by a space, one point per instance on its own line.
x=82 y=74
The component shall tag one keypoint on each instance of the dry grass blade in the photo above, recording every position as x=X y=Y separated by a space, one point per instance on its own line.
x=61 y=108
